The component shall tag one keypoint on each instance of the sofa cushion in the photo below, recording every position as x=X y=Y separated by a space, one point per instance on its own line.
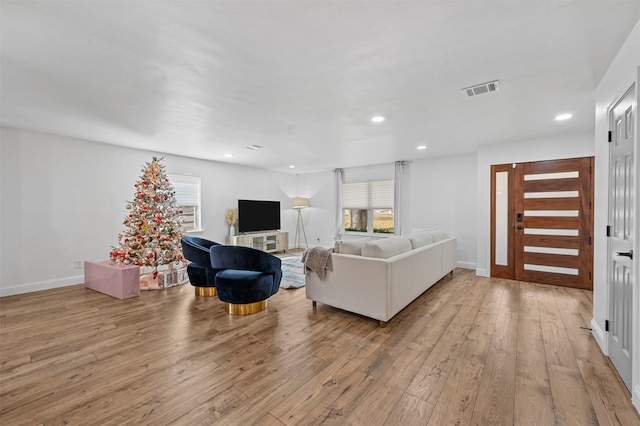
x=349 y=246
x=386 y=247
x=439 y=235
x=420 y=239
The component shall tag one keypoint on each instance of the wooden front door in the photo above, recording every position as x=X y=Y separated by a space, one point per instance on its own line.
x=549 y=224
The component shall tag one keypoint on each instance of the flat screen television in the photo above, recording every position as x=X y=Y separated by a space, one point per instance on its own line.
x=256 y=215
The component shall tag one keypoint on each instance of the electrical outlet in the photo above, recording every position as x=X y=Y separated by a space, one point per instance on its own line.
x=77 y=264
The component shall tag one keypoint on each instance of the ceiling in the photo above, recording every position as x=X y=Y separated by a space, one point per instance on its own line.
x=303 y=78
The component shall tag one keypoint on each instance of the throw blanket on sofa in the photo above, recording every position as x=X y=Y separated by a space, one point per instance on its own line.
x=318 y=260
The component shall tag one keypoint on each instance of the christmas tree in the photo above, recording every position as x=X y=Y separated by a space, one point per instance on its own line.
x=154 y=224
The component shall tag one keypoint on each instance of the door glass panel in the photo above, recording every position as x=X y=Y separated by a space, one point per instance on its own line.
x=551 y=213
x=502 y=218
x=557 y=175
x=542 y=231
x=553 y=269
x=551 y=250
x=556 y=194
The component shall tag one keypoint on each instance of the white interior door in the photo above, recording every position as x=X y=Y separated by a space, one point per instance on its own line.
x=621 y=222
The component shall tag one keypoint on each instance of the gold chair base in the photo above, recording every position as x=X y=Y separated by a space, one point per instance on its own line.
x=245 y=308
x=206 y=291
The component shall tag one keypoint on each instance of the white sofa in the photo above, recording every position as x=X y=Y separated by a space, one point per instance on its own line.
x=378 y=278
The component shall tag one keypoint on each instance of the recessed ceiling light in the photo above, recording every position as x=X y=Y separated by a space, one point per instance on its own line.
x=563 y=117
x=254 y=147
x=421 y=147
x=377 y=119
x=292 y=166
x=228 y=155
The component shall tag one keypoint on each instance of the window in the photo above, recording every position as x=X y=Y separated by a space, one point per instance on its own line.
x=367 y=207
x=188 y=199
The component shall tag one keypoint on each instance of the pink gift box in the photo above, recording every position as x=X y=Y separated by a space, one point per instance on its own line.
x=109 y=278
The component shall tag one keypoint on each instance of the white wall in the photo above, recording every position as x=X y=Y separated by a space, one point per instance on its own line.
x=63 y=199
x=571 y=146
x=443 y=195
x=623 y=72
x=320 y=217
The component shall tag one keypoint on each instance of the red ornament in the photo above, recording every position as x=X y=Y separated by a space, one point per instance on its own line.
x=126 y=240
x=168 y=239
x=122 y=255
x=141 y=195
x=180 y=211
x=139 y=237
x=145 y=208
x=151 y=255
x=140 y=263
x=158 y=199
x=130 y=215
x=136 y=185
x=159 y=237
x=166 y=197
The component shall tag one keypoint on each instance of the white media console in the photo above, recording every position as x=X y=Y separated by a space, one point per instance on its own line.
x=266 y=241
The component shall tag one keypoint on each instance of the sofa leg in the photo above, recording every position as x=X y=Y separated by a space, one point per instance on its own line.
x=313 y=302
x=383 y=324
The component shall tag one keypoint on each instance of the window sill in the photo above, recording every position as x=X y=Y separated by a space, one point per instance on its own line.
x=366 y=234
x=194 y=231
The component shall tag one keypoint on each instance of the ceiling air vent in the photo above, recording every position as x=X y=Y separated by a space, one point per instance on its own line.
x=479 y=89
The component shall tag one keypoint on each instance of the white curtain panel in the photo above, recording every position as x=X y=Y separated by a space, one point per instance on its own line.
x=338 y=178
x=401 y=196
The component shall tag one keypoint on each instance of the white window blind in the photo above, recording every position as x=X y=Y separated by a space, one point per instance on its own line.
x=187 y=189
x=367 y=195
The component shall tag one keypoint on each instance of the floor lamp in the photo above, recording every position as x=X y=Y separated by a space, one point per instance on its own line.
x=299 y=204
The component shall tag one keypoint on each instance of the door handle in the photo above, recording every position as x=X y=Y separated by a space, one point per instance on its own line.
x=519 y=227
x=628 y=254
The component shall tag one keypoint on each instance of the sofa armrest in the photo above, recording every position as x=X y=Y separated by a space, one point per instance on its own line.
x=356 y=284
x=449 y=255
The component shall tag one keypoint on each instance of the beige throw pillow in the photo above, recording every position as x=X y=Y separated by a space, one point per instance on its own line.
x=349 y=246
x=439 y=235
x=386 y=247
x=420 y=239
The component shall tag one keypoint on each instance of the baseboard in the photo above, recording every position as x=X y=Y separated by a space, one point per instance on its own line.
x=482 y=272
x=598 y=334
x=39 y=286
x=466 y=265
x=635 y=398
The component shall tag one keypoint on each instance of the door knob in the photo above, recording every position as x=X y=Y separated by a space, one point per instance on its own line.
x=628 y=254
x=519 y=227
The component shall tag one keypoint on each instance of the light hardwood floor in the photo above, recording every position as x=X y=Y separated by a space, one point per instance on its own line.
x=470 y=351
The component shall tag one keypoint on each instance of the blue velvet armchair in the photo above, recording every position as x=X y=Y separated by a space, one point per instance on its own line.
x=246 y=279
x=201 y=274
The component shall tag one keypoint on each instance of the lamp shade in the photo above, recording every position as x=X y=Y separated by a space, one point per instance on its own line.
x=300 y=203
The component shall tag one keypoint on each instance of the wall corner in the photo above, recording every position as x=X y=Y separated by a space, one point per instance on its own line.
x=598 y=333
